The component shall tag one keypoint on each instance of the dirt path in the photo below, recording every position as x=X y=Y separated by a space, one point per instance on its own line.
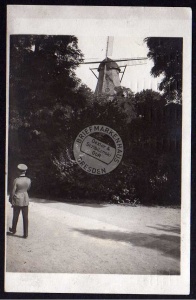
x=102 y=239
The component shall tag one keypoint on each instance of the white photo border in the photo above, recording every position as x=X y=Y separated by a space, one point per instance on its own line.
x=119 y=21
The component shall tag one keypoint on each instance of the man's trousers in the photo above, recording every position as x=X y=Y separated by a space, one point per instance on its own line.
x=16 y=213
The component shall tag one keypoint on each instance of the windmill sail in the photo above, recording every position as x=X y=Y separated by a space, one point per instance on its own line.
x=109 y=49
x=117 y=60
x=136 y=62
x=109 y=70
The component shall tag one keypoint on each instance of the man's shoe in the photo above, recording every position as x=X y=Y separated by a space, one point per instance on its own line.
x=11 y=230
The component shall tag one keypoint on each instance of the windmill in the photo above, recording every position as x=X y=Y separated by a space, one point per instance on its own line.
x=109 y=71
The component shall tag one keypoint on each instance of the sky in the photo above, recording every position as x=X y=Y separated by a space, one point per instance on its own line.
x=136 y=77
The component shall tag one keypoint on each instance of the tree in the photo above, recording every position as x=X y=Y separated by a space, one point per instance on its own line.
x=44 y=94
x=166 y=54
x=42 y=71
x=155 y=142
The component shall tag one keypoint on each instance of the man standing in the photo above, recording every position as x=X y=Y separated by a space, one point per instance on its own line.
x=19 y=199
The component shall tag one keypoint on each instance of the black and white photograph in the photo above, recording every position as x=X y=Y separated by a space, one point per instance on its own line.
x=97 y=155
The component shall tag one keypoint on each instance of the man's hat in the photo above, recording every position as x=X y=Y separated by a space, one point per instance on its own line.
x=22 y=167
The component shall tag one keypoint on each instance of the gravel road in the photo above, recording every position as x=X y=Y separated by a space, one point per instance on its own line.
x=95 y=239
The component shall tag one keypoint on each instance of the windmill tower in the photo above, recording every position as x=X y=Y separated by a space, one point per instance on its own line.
x=109 y=71
x=108 y=77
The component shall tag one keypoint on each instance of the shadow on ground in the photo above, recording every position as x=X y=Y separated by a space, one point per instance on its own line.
x=168 y=272
x=167 y=245
x=14 y=235
x=166 y=228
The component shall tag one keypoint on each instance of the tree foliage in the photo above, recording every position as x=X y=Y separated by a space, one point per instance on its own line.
x=42 y=72
x=166 y=54
x=44 y=93
x=156 y=149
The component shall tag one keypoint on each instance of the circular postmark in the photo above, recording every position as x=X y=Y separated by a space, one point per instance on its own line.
x=98 y=149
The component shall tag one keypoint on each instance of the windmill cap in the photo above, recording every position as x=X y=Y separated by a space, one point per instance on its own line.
x=22 y=167
x=110 y=64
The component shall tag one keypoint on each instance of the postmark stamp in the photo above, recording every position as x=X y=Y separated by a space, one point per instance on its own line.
x=98 y=149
